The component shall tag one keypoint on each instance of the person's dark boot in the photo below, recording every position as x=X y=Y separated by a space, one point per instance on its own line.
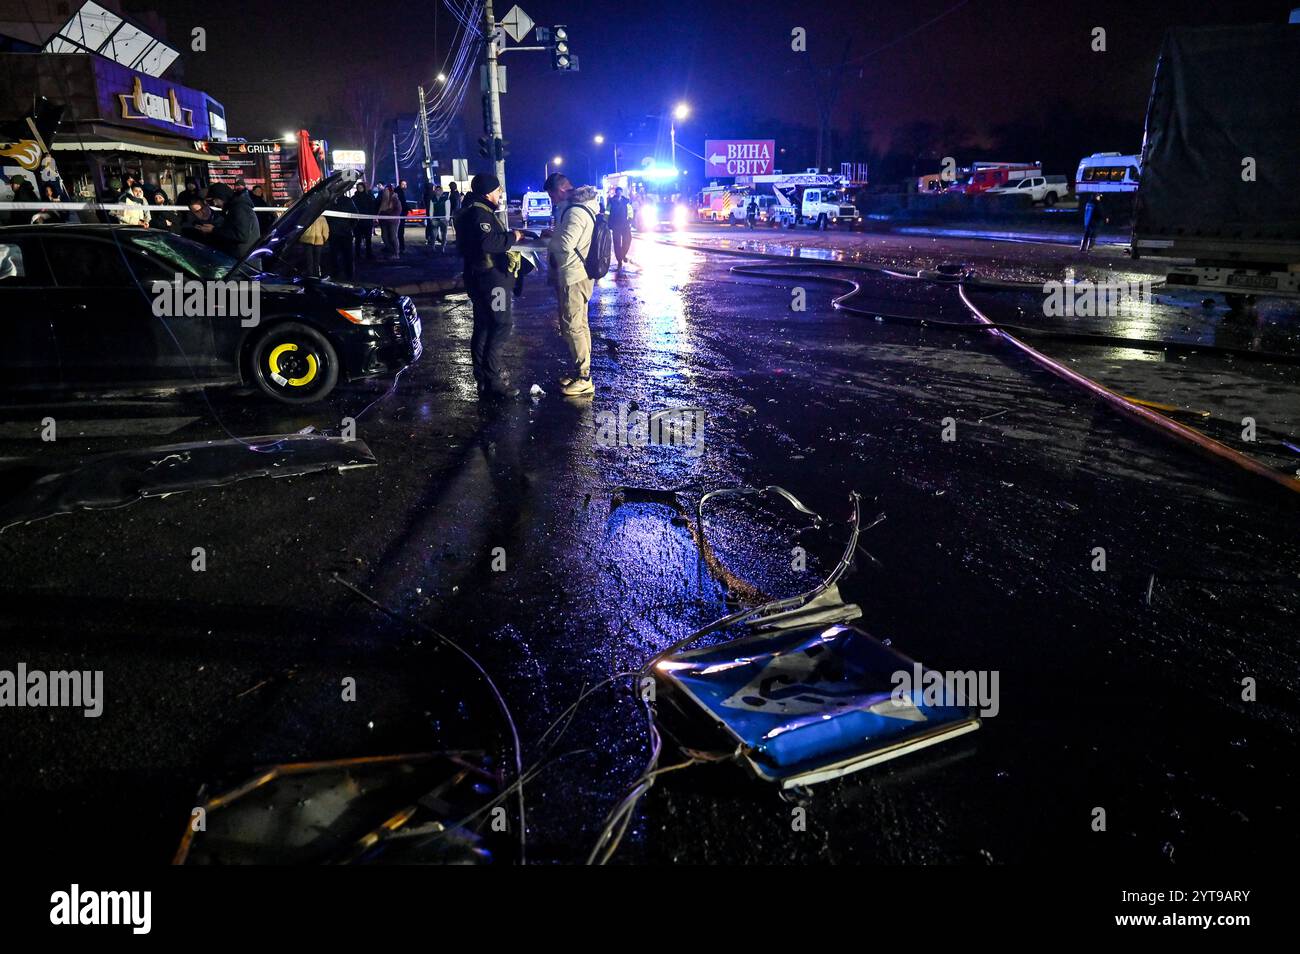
x=500 y=388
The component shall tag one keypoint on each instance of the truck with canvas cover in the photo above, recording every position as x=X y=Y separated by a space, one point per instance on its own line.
x=1218 y=180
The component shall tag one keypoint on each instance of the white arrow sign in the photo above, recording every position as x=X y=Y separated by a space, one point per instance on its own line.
x=717 y=160
x=517 y=23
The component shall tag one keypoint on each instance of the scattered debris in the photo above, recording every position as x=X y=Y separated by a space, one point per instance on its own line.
x=32 y=492
x=800 y=696
x=394 y=809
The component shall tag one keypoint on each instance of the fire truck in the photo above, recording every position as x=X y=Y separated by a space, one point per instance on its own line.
x=722 y=203
x=989 y=175
x=730 y=204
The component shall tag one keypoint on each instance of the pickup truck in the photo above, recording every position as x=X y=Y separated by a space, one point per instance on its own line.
x=1045 y=189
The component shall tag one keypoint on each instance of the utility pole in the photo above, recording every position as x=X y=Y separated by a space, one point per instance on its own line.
x=424 y=131
x=397 y=170
x=494 y=103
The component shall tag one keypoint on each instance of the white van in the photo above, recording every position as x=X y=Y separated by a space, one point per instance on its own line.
x=536 y=208
x=1108 y=172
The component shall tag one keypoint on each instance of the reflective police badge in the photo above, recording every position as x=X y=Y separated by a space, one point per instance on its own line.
x=485 y=227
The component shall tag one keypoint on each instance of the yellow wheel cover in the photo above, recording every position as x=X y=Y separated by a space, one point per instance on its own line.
x=273 y=362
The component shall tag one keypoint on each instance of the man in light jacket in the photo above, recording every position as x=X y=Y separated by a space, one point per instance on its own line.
x=575 y=223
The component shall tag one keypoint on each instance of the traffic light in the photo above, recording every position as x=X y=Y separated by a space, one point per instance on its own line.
x=562 y=58
x=499 y=150
x=485 y=148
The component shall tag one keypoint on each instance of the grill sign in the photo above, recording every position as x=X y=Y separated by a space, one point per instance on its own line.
x=739 y=157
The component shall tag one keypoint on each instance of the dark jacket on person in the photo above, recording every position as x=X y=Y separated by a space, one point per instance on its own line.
x=366 y=202
x=189 y=221
x=619 y=221
x=264 y=219
x=238 y=231
x=24 y=192
x=1092 y=214
x=481 y=239
x=341 y=229
x=164 y=219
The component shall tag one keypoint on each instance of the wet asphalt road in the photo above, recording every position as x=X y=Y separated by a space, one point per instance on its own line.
x=1109 y=698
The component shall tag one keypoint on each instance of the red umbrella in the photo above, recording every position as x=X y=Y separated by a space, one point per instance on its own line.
x=308 y=168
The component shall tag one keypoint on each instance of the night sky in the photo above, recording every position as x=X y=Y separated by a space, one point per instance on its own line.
x=982 y=64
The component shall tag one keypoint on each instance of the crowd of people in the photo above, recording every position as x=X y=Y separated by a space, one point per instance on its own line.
x=232 y=217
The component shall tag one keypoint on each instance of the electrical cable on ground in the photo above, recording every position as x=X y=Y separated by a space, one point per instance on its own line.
x=500 y=699
x=620 y=817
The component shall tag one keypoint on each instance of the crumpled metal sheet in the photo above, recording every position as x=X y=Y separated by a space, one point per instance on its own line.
x=394 y=809
x=114 y=480
x=809 y=704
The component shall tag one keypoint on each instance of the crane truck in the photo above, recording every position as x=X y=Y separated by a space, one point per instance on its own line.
x=815 y=199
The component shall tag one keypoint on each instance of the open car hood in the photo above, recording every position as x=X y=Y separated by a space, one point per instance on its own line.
x=273 y=247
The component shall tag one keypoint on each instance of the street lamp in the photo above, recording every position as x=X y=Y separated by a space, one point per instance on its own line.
x=680 y=111
x=599 y=140
x=557 y=162
x=441 y=77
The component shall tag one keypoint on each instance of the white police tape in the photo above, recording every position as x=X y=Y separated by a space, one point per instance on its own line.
x=123 y=206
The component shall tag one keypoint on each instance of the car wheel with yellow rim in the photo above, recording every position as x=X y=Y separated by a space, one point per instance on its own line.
x=295 y=364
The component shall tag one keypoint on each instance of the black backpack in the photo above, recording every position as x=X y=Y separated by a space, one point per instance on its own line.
x=602 y=246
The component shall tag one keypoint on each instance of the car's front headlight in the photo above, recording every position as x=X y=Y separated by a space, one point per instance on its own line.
x=363 y=315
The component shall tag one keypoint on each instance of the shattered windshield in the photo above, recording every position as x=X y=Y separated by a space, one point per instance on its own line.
x=195 y=260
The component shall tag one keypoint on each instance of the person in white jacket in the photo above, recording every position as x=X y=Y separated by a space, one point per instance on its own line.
x=131 y=215
x=575 y=217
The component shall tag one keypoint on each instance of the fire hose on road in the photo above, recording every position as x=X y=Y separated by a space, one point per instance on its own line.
x=778 y=266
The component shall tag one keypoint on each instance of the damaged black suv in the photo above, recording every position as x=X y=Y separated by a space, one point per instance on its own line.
x=95 y=306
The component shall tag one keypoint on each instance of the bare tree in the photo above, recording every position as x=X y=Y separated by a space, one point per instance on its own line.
x=367 y=118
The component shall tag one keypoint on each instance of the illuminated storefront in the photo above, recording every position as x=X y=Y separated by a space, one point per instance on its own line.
x=118 y=120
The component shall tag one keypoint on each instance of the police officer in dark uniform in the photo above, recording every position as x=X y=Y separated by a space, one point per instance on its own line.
x=490 y=273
